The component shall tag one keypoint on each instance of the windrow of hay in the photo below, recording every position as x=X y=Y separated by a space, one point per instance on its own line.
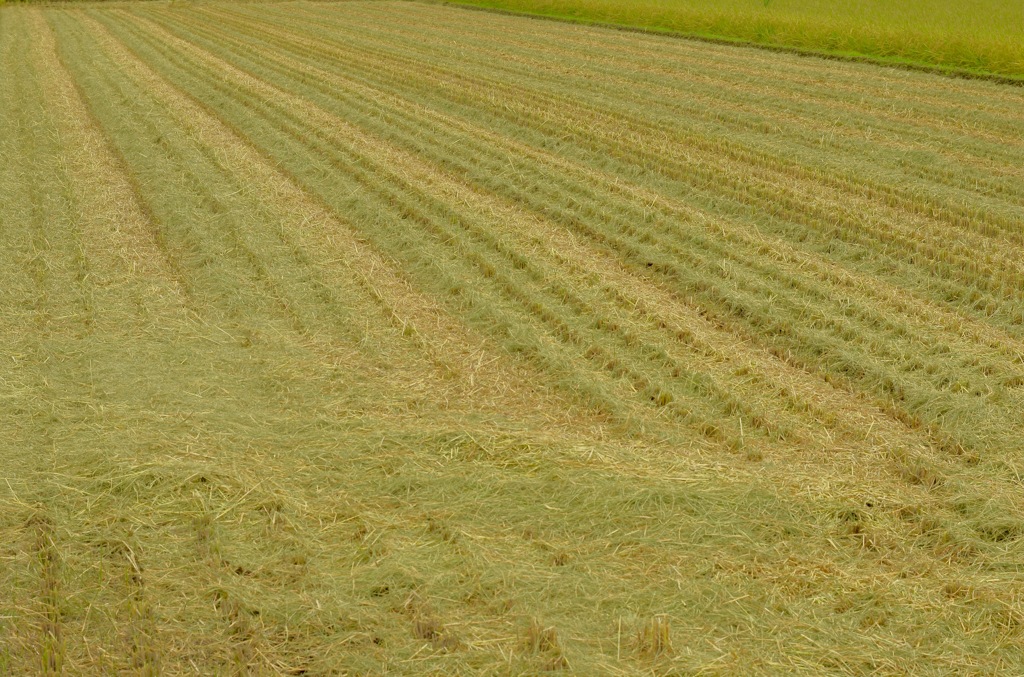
x=544 y=241
x=457 y=353
x=901 y=416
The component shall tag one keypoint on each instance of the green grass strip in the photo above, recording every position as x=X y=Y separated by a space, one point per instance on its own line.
x=978 y=38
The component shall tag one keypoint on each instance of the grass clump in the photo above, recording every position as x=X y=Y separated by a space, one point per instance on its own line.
x=542 y=641
x=654 y=639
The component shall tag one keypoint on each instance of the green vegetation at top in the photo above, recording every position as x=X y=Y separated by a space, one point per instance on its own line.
x=977 y=36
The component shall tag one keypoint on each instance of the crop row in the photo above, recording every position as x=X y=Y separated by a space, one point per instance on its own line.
x=860 y=320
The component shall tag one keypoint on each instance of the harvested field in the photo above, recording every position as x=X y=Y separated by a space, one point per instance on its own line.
x=395 y=338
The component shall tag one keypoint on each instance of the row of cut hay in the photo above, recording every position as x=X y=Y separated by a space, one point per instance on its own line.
x=394 y=162
x=521 y=149
x=196 y=495
x=428 y=218
x=798 y=114
x=801 y=114
x=904 y=332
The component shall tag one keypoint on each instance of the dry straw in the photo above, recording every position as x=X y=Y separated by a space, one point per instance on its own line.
x=375 y=338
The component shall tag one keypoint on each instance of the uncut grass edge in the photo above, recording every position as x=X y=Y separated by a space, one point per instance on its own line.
x=897 y=62
x=901 y=63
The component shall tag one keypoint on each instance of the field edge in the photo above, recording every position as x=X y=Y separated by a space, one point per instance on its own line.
x=722 y=39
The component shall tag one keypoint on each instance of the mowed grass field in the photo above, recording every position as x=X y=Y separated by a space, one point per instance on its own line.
x=977 y=36
x=395 y=338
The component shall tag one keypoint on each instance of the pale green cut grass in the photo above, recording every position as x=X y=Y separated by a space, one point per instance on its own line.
x=392 y=338
x=978 y=36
